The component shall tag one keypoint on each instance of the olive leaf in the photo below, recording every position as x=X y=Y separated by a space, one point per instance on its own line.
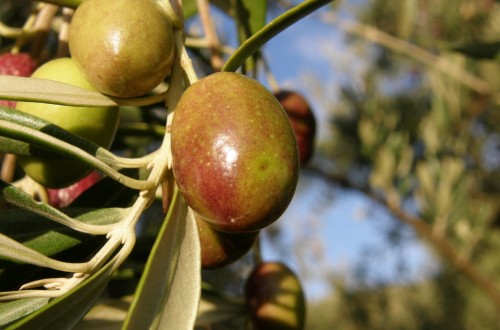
x=14 y=310
x=19 y=198
x=11 y=146
x=55 y=92
x=168 y=294
x=250 y=18
x=67 y=310
x=53 y=141
x=49 y=238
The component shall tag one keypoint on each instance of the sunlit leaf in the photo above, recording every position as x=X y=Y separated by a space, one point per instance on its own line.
x=55 y=92
x=49 y=91
x=168 y=293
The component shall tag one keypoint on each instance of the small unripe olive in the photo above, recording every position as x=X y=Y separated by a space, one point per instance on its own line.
x=220 y=249
x=235 y=157
x=125 y=48
x=274 y=297
x=97 y=124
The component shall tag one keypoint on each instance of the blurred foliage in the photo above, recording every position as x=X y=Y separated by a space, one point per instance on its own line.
x=406 y=132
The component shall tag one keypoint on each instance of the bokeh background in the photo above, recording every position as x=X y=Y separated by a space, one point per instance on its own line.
x=395 y=223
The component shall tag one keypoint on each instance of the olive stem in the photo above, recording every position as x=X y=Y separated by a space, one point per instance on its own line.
x=185 y=61
x=9 y=32
x=174 y=15
x=8 y=167
x=253 y=44
x=26 y=134
x=257 y=251
x=210 y=33
x=25 y=31
x=17 y=251
x=122 y=162
x=204 y=43
x=121 y=233
x=62 y=46
x=42 y=27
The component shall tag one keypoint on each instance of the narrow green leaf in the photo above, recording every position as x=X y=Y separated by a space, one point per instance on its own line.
x=250 y=18
x=168 y=294
x=11 y=146
x=49 y=238
x=19 y=198
x=14 y=310
x=66 y=311
x=253 y=44
x=49 y=91
x=49 y=140
x=29 y=121
x=55 y=92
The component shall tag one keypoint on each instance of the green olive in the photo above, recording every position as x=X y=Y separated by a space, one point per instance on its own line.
x=125 y=48
x=97 y=124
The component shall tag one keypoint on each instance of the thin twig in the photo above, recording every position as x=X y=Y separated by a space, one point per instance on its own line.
x=42 y=28
x=8 y=168
x=62 y=46
x=210 y=34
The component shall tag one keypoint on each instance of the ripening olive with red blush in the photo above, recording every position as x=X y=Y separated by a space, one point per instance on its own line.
x=234 y=153
x=302 y=120
x=219 y=249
